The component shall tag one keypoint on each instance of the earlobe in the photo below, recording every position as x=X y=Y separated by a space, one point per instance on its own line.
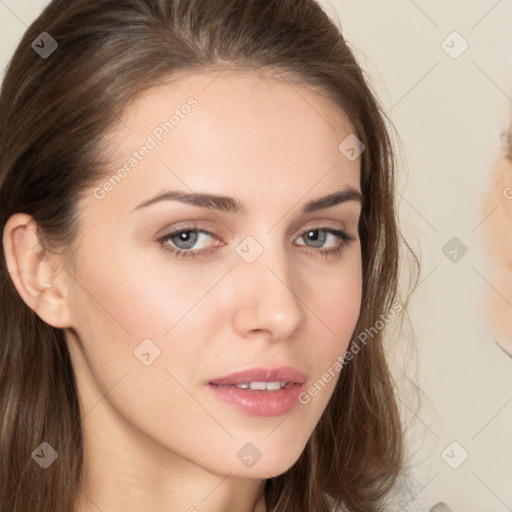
x=37 y=275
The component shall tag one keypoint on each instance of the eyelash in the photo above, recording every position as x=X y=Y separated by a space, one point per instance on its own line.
x=344 y=237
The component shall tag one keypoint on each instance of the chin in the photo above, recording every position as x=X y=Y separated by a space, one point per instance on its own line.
x=269 y=469
x=267 y=463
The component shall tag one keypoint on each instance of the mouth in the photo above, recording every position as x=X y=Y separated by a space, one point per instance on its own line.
x=261 y=391
x=259 y=386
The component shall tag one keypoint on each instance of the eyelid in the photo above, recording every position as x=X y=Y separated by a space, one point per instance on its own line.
x=193 y=225
x=321 y=224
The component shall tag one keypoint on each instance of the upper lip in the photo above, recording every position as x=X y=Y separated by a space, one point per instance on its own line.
x=261 y=374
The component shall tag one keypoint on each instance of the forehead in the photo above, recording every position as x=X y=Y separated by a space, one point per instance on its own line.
x=238 y=130
x=222 y=91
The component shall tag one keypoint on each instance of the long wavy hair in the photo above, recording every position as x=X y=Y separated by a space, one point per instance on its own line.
x=54 y=114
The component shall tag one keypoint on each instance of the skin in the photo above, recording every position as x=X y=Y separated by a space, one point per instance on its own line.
x=498 y=242
x=155 y=436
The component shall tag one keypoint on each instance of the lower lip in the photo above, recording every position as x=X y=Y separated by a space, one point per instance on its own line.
x=259 y=402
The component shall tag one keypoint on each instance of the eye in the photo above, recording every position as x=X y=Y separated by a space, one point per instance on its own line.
x=319 y=236
x=190 y=242
x=184 y=240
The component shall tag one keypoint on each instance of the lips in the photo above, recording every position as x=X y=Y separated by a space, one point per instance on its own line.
x=281 y=374
x=268 y=400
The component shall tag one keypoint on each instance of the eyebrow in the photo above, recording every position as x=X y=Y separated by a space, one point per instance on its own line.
x=231 y=205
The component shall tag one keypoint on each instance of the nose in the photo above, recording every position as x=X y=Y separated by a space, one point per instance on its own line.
x=267 y=298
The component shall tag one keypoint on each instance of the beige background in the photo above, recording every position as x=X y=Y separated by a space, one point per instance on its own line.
x=449 y=113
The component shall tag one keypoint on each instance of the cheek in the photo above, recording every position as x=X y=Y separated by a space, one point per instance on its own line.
x=122 y=306
x=339 y=299
x=129 y=315
x=344 y=300
x=138 y=297
x=337 y=302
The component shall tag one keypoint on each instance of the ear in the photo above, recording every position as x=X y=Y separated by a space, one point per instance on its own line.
x=38 y=275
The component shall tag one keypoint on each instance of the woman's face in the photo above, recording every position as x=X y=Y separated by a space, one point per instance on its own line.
x=259 y=280
x=498 y=231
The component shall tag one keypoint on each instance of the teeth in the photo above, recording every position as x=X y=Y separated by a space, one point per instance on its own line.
x=273 y=385
x=262 y=386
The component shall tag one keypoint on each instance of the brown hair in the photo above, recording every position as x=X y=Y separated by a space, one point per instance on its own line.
x=54 y=114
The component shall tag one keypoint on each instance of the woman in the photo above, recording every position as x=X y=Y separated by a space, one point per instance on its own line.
x=200 y=257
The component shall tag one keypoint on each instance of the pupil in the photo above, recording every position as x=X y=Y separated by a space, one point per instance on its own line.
x=187 y=238
x=315 y=236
